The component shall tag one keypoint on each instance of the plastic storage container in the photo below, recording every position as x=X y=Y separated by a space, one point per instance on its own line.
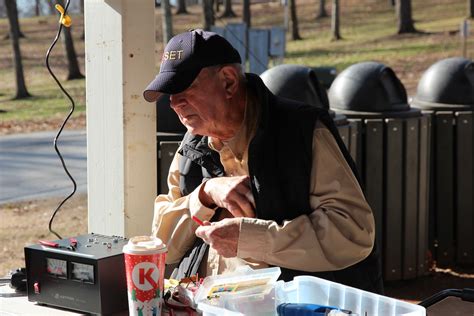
x=243 y=292
x=312 y=290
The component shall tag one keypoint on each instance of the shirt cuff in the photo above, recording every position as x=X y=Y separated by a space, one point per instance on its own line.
x=253 y=238
x=196 y=208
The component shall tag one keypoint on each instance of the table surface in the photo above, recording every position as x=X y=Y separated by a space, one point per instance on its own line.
x=13 y=305
x=19 y=305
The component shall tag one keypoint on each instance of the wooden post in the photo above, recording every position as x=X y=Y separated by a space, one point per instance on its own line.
x=121 y=126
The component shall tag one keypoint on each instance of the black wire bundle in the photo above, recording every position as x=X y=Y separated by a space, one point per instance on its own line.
x=62 y=125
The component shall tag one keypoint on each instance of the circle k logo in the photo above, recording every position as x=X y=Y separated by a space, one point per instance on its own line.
x=145 y=276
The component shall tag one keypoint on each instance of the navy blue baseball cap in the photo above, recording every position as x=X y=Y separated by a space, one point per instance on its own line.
x=184 y=57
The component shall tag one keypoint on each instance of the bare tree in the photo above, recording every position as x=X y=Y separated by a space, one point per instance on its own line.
x=322 y=10
x=405 y=21
x=208 y=14
x=470 y=9
x=181 y=9
x=295 y=35
x=15 y=13
x=12 y=13
x=335 y=23
x=167 y=22
x=246 y=18
x=37 y=8
x=228 y=12
x=73 y=66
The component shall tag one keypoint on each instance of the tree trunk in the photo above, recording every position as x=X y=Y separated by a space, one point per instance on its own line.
x=470 y=9
x=208 y=14
x=391 y=2
x=336 y=35
x=73 y=66
x=228 y=12
x=82 y=7
x=37 y=8
x=12 y=13
x=405 y=22
x=295 y=35
x=246 y=13
x=166 y=21
x=15 y=13
x=322 y=10
x=181 y=7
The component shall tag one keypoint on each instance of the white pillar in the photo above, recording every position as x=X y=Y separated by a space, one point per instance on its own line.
x=121 y=126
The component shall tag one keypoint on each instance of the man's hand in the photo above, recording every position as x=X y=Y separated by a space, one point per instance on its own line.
x=231 y=193
x=223 y=236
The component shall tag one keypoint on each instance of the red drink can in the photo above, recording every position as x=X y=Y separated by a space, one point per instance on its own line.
x=145 y=268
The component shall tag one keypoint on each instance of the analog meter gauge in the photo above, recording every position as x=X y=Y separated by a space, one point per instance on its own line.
x=82 y=272
x=56 y=267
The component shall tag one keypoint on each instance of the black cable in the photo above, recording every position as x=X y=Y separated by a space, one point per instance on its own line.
x=62 y=126
x=464 y=294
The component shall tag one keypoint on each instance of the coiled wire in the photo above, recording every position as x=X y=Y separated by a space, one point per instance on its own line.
x=73 y=106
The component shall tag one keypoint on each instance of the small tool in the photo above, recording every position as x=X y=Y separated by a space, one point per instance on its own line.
x=197 y=220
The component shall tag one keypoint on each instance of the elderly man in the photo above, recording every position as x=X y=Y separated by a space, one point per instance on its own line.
x=269 y=177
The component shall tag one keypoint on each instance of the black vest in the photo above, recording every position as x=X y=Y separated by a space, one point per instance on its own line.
x=280 y=160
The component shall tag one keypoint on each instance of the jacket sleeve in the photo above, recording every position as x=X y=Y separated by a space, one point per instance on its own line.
x=172 y=221
x=338 y=233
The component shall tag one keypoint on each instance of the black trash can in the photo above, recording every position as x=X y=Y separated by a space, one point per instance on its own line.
x=301 y=83
x=169 y=133
x=393 y=161
x=446 y=93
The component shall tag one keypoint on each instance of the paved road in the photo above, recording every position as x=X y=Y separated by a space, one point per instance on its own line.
x=30 y=167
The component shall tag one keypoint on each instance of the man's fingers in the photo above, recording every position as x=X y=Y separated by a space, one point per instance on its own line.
x=235 y=210
x=245 y=189
x=250 y=198
x=241 y=207
x=232 y=193
x=203 y=233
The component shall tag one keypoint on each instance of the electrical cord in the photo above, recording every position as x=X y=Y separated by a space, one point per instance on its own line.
x=465 y=294
x=63 y=21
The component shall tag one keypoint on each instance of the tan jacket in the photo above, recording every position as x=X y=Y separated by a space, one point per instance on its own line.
x=338 y=233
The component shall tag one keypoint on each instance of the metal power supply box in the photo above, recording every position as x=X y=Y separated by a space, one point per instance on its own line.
x=89 y=277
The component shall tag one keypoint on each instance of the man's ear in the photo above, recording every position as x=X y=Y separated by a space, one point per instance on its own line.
x=230 y=80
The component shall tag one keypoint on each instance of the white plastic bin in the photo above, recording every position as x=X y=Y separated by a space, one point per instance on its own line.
x=312 y=290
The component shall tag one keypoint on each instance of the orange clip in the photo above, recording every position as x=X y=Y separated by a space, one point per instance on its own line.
x=64 y=19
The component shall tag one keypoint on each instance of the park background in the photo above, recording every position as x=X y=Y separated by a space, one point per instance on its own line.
x=369 y=31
